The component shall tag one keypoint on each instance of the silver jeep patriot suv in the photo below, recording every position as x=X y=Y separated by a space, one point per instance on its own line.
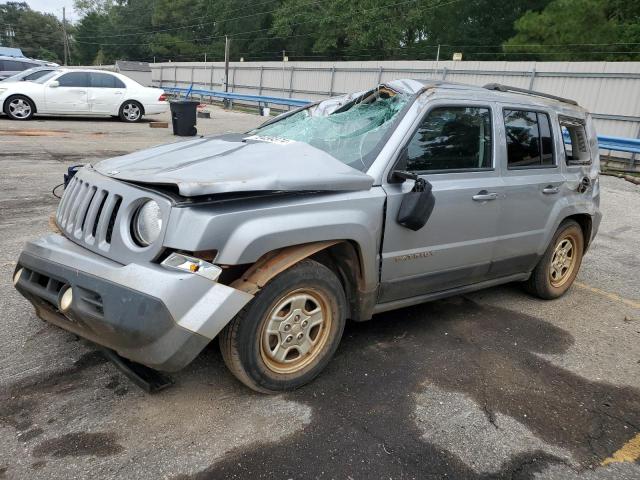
x=360 y=204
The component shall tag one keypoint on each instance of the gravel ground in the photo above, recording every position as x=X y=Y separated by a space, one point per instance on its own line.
x=493 y=384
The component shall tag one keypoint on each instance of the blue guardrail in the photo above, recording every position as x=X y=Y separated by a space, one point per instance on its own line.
x=259 y=99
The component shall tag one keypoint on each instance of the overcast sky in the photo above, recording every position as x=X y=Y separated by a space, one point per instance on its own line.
x=52 y=6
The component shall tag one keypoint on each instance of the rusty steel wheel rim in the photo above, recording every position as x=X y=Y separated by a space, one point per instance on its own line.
x=563 y=261
x=295 y=331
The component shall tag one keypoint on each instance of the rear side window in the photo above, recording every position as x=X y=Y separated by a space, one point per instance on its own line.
x=74 y=79
x=104 y=80
x=529 y=139
x=452 y=138
x=574 y=136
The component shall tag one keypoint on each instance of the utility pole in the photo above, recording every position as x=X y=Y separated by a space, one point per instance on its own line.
x=284 y=59
x=205 y=58
x=226 y=63
x=64 y=32
x=438 y=55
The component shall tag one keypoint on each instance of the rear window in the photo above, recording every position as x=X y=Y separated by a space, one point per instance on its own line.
x=529 y=139
x=37 y=75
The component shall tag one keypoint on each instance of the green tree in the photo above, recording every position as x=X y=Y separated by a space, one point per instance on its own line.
x=579 y=30
x=38 y=35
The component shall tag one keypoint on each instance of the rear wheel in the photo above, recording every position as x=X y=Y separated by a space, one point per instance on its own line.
x=559 y=266
x=19 y=107
x=288 y=333
x=131 y=111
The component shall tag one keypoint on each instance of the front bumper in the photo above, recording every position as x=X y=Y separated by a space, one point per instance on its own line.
x=148 y=314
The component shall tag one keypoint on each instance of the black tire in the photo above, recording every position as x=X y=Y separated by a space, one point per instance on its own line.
x=542 y=283
x=126 y=109
x=26 y=112
x=243 y=341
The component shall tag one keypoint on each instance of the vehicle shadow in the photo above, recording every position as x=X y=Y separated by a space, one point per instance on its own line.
x=70 y=119
x=363 y=404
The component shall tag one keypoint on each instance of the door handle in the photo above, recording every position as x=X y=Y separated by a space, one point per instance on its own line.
x=81 y=91
x=550 y=189
x=117 y=93
x=484 y=196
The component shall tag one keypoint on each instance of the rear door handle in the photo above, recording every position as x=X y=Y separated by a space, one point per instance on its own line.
x=81 y=91
x=117 y=93
x=550 y=189
x=484 y=196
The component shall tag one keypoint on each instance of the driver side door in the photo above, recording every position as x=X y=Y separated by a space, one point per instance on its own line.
x=71 y=94
x=454 y=148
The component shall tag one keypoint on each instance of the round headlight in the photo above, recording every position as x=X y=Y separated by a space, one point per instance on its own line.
x=147 y=223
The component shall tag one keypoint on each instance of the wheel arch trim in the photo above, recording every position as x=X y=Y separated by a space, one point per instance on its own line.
x=275 y=262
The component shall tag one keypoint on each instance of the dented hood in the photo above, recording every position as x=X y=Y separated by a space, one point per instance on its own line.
x=236 y=163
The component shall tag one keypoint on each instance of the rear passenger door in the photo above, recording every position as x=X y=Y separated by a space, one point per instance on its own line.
x=453 y=147
x=534 y=184
x=105 y=93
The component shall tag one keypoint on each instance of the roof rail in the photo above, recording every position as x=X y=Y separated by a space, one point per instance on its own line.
x=506 y=88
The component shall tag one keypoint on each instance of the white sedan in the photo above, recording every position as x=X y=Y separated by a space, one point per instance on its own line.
x=83 y=93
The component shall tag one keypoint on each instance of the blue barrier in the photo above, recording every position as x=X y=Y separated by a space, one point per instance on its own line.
x=259 y=99
x=619 y=144
x=616 y=144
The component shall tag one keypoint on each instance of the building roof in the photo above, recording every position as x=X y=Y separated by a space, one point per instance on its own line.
x=127 y=66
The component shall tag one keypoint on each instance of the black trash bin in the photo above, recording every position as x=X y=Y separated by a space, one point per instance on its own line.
x=183 y=117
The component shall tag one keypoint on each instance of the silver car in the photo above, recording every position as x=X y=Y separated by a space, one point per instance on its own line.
x=271 y=240
x=30 y=74
x=9 y=65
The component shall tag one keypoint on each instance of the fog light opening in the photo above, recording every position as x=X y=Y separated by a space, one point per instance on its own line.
x=16 y=276
x=66 y=299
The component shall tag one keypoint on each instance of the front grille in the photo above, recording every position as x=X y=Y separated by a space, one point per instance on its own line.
x=96 y=212
x=88 y=213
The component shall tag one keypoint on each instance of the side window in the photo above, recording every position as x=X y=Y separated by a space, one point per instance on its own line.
x=74 y=79
x=529 y=139
x=452 y=138
x=104 y=80
x=574 y=136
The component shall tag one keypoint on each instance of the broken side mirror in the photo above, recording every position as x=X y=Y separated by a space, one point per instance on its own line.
x=417 y=205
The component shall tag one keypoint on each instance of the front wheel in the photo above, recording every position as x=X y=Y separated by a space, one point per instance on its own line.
x=559 y=266
x=19 y=107
x=288 y=333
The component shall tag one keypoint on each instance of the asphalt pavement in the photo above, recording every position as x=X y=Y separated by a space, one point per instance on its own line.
x=494 y=384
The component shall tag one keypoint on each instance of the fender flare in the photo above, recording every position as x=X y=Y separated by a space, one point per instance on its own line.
x=275 y=262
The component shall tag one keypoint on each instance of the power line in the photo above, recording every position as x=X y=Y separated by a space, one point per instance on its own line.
x=212 y=37
x=200 y=17
x=215 y=22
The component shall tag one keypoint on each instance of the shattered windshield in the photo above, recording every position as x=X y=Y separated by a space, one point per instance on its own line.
x=350 y=133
